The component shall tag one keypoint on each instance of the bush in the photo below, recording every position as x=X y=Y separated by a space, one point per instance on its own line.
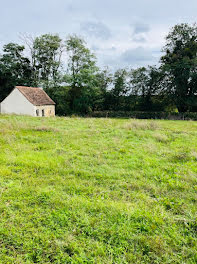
x=145 y=115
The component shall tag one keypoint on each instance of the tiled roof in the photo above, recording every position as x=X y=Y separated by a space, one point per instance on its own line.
x=36 y=96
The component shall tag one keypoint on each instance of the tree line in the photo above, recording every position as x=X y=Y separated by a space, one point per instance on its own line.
x=68 y=71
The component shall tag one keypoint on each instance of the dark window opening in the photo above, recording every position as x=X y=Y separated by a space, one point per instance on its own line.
x=42 y=112
x=37 y=112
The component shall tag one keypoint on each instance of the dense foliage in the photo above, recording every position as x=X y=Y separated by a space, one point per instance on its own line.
x=67 y=70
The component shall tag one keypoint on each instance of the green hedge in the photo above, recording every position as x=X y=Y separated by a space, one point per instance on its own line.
x=145 y=115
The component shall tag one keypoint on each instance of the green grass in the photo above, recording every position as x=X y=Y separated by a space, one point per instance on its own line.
x=76 y=190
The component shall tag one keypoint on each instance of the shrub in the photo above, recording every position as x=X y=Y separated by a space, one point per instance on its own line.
x=145 y=115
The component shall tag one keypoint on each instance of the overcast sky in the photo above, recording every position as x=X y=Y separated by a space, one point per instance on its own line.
x=120 y=32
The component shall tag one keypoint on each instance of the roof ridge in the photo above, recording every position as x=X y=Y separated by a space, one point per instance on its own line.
x=21 y=86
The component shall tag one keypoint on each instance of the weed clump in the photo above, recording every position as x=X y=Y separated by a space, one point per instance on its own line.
x=45 y=129
x=161 y=138
x=181 y=156
x=142 y=125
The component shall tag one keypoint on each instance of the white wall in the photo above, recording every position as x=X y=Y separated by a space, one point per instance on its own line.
x=16 y=103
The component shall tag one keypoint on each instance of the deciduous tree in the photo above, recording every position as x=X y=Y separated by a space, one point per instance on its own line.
x=15 y=69
x=180 y=65
x=81 y=75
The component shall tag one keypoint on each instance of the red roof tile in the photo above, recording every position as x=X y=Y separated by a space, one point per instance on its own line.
x=35 y=95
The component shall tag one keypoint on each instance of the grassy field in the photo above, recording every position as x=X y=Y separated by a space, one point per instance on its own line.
x=76 y=190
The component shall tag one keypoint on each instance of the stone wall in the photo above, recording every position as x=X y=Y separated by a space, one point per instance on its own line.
x=45 y=110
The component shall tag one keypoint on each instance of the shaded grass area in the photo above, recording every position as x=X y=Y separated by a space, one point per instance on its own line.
x=77 y=190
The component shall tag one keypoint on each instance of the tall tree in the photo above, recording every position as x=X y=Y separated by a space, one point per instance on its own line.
x=138 y=81
x=180 y=65
x=120 y=89
x=15 y=69
x=46 y=59
x=81 y=75
x=145 y=85
x=104 y=79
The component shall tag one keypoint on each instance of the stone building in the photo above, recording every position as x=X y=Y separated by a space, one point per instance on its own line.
x=28 y=101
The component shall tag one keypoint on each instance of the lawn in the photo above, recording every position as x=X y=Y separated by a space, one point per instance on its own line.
x=76 y=190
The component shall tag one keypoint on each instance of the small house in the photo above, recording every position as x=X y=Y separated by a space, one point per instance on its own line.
x=28 y=101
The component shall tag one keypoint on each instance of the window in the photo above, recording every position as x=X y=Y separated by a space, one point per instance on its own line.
x=42 y=112
x=37 y=112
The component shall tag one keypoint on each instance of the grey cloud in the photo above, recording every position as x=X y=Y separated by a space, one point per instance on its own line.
x=140 y=31
x=96 y=29
x=137 y=55
x=141 y=28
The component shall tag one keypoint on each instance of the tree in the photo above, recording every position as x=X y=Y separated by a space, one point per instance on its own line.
x=81 y=75
x=180 y=66
x=104 y=79
x=138 y=81
x=146 y=86
x=46 y=59
x=119 y=90
x=15 y=69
